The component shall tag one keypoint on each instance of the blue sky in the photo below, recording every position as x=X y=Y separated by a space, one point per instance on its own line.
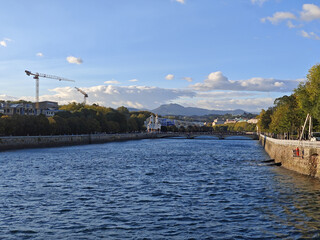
x=213 y=54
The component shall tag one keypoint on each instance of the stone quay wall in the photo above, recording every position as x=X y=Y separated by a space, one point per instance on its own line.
x=20 y=142
x=300 y=156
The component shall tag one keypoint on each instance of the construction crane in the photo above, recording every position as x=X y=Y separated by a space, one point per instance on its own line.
x=85 y=95
x=36 y=77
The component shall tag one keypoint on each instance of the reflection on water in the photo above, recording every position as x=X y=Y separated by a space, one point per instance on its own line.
x=155 y=189
x=299 y=199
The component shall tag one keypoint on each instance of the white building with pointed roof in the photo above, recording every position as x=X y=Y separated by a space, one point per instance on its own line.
x=153 y=125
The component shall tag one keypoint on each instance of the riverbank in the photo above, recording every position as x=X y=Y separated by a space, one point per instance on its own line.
x=300 y=156
x=21 y=142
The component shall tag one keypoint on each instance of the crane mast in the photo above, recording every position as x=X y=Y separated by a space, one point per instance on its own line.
x=36 y=77
x=85 y=95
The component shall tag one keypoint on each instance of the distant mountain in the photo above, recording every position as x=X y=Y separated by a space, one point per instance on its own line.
x=176 y=109
x=136 y=109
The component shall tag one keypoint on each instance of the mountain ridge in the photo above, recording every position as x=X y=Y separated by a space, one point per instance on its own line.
x=176 y=109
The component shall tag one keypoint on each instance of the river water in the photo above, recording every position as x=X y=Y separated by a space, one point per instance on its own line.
x=154 y=189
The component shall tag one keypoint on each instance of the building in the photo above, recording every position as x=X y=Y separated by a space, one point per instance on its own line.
x=8 y=108
x=170 y=122
x=253 y=120
x=167 y=122
x=230 y=121
x=153 y=124
x=46 y=108
x=241 y=119
x=185 y=124
x=217 y=122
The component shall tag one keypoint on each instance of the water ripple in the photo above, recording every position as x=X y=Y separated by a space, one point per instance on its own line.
x=154 y=189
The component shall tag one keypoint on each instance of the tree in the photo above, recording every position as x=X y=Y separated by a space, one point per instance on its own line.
x=287 y=115
x=172 y=128
x=132 y=124
x=264 y=120
x=123 y=110
x=308 y=93
x=182 y=129
x=59 y=125
x=71 y=107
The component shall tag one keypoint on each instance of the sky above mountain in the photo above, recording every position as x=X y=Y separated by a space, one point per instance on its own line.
x=214 y=54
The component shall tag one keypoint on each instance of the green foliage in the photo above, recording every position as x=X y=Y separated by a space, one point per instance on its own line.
x=289 y=112
x=287 y=116
x=24 y=125
x=123 y=110
x=308 y=93
x=264 y=120
x=172 y=129
x=71 y=107
x=75 y=119
x=280 y=120
x=220 y=128
x=235 y=127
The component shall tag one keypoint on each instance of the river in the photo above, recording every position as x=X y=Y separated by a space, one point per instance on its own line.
x=154 y=189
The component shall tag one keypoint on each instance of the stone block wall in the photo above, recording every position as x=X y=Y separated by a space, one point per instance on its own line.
x=300 y=156
x=8 y=143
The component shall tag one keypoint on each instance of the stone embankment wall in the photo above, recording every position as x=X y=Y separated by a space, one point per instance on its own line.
x=8 y=143
x=300 y=156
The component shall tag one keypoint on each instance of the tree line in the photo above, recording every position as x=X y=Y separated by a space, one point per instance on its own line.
x=288 y=114
x=230 y=127
x=75 y=119
x=235 y=127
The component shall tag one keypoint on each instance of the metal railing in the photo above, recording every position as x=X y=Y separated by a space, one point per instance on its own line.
x=302 y=143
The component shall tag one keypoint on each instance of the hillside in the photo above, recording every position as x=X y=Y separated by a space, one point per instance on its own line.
x=176 y=109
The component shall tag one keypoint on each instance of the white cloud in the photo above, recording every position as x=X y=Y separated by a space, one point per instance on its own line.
x=278 y=84
x=134 y=80
x=259 y=2
x=247 y=104
x=152 y=97
x=6 y=97
x=115 y=96
x=188 y=79
x=217 y=81
x=4 y=42
x=291 y=25
x=39 y=54
x=128 y=104
x=279 y=17
x=75 y=60
x=304 y=34
x=181 y=1
x=224 y=94
x=169 y=77
x=112 y=82
x=310 y=35
x=310 y=12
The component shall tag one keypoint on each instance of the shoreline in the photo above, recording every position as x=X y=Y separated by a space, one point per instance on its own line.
x=300 y=156
x=24 y=142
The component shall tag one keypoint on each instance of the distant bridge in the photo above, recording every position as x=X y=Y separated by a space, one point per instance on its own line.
x=219 y=135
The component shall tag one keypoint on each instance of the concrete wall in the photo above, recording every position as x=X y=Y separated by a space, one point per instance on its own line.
x=300 y=156
x=7 y=143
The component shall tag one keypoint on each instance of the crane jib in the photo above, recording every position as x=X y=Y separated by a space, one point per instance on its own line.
x=36 y=77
